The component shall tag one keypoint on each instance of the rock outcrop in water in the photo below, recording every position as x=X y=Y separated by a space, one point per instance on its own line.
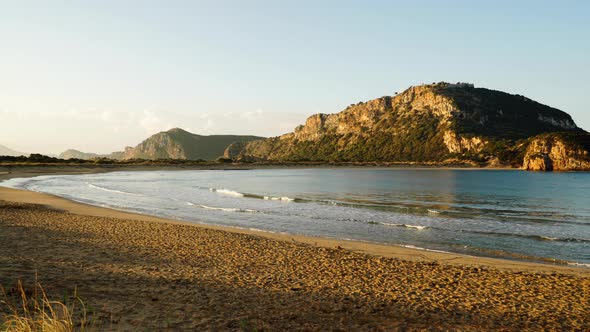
x=180 y=144
x=428 y=123
x=558 y=152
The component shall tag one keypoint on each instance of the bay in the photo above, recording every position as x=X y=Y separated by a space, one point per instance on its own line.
x=497 y=213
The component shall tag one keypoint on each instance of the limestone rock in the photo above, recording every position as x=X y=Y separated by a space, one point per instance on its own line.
x=427 y=123
x=558 y=152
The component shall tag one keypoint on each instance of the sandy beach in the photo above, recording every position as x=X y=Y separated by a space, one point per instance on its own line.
x=294 y=166
x=139 y=272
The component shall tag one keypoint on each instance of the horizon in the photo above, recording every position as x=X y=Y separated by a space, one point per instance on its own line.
x=99 y=77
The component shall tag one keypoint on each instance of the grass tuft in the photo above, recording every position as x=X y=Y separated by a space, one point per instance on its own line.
x=29 y=310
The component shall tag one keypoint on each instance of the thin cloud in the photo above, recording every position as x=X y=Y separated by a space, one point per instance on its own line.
x=153 y=123
x=105 y=130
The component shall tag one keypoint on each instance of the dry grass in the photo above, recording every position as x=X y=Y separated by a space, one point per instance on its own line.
x=29 y=310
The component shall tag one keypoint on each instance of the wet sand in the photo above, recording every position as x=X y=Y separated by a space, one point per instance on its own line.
x=139 y=272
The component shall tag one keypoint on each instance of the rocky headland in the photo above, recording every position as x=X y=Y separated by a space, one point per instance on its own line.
x=434 y=123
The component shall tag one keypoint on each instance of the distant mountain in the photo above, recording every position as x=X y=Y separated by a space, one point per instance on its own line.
x=172 y=144
x=428 y=123
x=117 y=155
x=180 y=144
x=5 y=151
x=75 y=154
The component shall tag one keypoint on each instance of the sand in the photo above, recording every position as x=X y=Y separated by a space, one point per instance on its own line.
x=144 y=273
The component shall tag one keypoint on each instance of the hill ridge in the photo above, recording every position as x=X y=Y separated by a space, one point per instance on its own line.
x=424 y=123
x=6 y=151
x=177 y=143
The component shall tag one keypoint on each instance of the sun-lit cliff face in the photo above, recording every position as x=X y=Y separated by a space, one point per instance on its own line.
x=558 y=152
x=425 y=123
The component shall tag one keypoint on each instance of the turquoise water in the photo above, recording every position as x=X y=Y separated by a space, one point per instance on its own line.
x=509 y=214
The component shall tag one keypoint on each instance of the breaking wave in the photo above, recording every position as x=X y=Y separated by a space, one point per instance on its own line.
x=530 y=236
x=418 y=227
x=227 y=192
x=111 y=190
x=234 y=193
x=283 y=198
x=222 y=208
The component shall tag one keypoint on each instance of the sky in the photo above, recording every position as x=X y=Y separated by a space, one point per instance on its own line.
x=101 y=75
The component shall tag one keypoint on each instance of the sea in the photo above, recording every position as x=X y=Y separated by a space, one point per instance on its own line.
x=509 y=214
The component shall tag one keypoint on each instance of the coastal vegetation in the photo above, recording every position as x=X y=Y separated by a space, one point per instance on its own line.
x=558 y=151
x=24 y=309
x=172 y=144
x=36 y=158
x=434 y=123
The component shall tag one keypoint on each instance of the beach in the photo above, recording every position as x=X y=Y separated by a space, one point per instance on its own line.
x=138 y=272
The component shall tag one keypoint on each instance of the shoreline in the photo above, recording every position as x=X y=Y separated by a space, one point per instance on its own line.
x=364 y=247
x=136 y=272
x=5 y=168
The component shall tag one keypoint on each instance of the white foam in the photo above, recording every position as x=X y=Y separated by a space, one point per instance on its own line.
x=261 y=230
x=424 y=249
x=392 y=225
x=223 y=209
x=110 y=190
x=418 y=227
x=227 y=192
x=433 y=211
x=284 y=198
x=579 y=264
x=548 y=238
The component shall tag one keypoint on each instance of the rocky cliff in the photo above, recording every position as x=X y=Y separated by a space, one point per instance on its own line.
x=428 y=123
x=558 y=152
x=180 y=144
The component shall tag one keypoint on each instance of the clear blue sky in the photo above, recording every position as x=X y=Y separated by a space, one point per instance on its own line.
x=98 y=75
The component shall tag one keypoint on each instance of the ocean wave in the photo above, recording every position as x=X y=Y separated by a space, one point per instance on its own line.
x=586 y=265
x=530 y=236
x=516 y=255
x=373 y=222
x=395 y=207
x=554 y=218
x=91 y=185
x=283 y=198
x=222 y=208
x=227 y=192
x=548 y=238
x=418 y=227
x=568 y=239
x=409 y=246
x=234 y=193
x=526 y=236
